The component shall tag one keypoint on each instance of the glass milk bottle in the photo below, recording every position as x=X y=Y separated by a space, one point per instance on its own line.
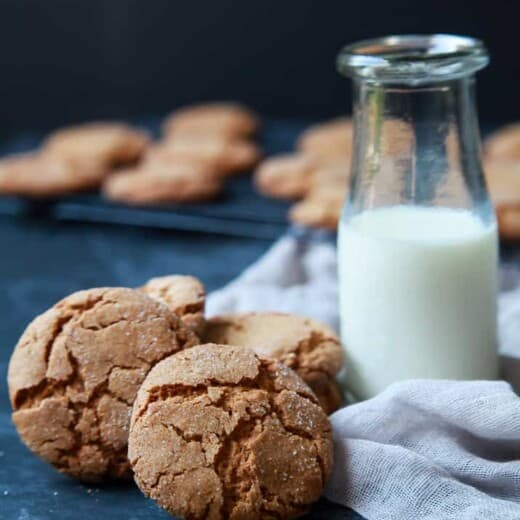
x=417 y=238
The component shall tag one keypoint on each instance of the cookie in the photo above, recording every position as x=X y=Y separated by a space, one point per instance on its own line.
x=285 y=176
x=113 y=144
x=320 y=208
x=328 y=141
x=504 y=144
x=312 y=349
x=509 y=222
x=223 y=155
x=328 y=177
x=182 y=180
x=219 y=433
x=503 y=179
x=42 y=175
x=183 y=295
x=212 y=119
x=74 y=374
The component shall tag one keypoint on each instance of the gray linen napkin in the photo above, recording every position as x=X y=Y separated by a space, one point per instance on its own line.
x=423 y=449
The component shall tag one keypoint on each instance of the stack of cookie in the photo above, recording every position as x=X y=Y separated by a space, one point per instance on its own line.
x=201 y=146
x=317 y=174
x=502 y=169
x=113 y=382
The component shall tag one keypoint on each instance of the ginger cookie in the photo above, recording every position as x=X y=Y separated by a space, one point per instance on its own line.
x=44 y=175
x=503 y=179
x=75 y=372
x=113 y=144
x=219 y=433
x=504 y=144
x=312 y=349
x=285 y=176
x=223 y=155
x=155 y=182
x=328 y=141
x=183 y=295
x=212 y=119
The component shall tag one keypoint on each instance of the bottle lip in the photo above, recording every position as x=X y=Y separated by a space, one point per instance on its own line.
x=413 y=58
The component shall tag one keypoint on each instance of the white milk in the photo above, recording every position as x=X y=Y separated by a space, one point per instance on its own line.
x=417 y=296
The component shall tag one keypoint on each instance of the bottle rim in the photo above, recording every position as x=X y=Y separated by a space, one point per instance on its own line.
x=413 y=58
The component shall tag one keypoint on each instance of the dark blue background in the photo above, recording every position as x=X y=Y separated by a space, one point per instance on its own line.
x=64 y=60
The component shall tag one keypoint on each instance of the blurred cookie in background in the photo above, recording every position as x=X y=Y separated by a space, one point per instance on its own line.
x=504 y=144
x=224 y=155
x=113 y=144
x=45 y=175
x=285 y=176
x=503 y=179
x=220 y=119
x=321 y=208
x=328 y=141
x=158 y=182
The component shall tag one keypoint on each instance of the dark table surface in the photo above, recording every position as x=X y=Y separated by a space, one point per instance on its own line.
x=41 y=261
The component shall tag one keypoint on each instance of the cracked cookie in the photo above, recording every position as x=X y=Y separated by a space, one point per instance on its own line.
x=113 y=144
x=184 y=296
x=310 y=348
x=75 y=371
x=212 y=119
x=219 y=433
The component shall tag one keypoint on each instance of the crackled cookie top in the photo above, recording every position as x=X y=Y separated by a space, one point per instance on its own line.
x=309 y=347
x=184 y=296
x=75 y=372
x=219 y=433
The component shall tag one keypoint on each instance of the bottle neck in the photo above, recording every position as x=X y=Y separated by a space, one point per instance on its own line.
x=416 y=145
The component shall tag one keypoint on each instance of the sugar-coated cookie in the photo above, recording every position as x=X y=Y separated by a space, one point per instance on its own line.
x=155 y=182
x=225 y=156
x=218 y=433
x=212 y=119
x=74 y=374
x=183 y=295
x=504 y=144
x=44 y=175
x=285 y=176
x=114 y=144
x=311 y=348
x=328 y=141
